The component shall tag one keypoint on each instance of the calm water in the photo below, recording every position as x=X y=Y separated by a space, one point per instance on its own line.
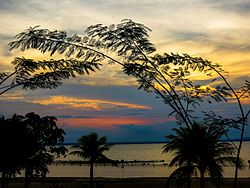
x=139 y=152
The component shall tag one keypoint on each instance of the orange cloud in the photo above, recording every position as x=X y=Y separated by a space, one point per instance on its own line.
x=96 y=104
x=13 y=96
x=110 y=121
x=245 y=101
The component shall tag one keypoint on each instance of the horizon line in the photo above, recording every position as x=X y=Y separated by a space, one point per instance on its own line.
x=153 y=142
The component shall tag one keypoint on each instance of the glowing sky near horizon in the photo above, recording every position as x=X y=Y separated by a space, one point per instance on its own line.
x=108 y=101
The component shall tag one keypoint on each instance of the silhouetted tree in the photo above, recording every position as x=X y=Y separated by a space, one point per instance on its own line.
x=91 y=147
x=47 y=143
x=127 y=44
x=35 y=140
x=197 y=149
x=11 y=145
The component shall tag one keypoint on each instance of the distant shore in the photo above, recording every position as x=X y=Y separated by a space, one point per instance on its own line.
x=147 y=182
x=156 y=142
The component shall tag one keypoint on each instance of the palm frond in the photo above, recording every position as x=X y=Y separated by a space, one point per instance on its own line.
x=199 y=145
x=91 y=147
x=78 y=153
x=181 y=175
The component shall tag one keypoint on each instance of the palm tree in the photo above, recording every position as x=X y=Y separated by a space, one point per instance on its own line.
x=91 y=147
x=197 y=150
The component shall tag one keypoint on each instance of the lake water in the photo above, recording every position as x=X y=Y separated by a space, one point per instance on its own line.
x=139 y=152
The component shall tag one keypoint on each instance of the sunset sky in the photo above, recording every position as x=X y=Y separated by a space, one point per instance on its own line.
x=108 y=101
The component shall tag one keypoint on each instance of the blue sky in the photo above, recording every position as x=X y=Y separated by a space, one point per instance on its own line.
x=108 y=101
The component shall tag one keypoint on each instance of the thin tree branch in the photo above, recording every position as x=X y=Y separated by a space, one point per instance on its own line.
x=13 y=86
x=242 y=94
x=242 y=129
x=171 y=87
x=7 y=77
x=187 y=96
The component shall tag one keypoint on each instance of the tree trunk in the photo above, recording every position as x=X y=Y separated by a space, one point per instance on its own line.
x=236 y=172
x=26 y=181
x=202 y=180
x=238 y=155
x=91 y=170
x=3 y=180
x=189 y=175
x=189 y=182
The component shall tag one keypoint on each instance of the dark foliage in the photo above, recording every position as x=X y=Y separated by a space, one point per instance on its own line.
x=46 y=74
x=29 y=143
x=198 y=150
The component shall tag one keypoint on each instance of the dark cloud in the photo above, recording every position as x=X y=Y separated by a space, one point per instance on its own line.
x=72 y=116
x=10 y=107
x=228 y=40
x=21 y=5
x=239 y=7
x=6 y=37
x=231 y=47
x=4 y=40
x=8 y=5
x=236 y=81
x=182 y=35
x=239 y=81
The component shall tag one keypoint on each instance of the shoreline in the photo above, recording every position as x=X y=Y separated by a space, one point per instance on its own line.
x=100 y=182
x=155 y=142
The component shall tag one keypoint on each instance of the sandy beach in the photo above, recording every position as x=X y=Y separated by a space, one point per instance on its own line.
x=117 y=182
